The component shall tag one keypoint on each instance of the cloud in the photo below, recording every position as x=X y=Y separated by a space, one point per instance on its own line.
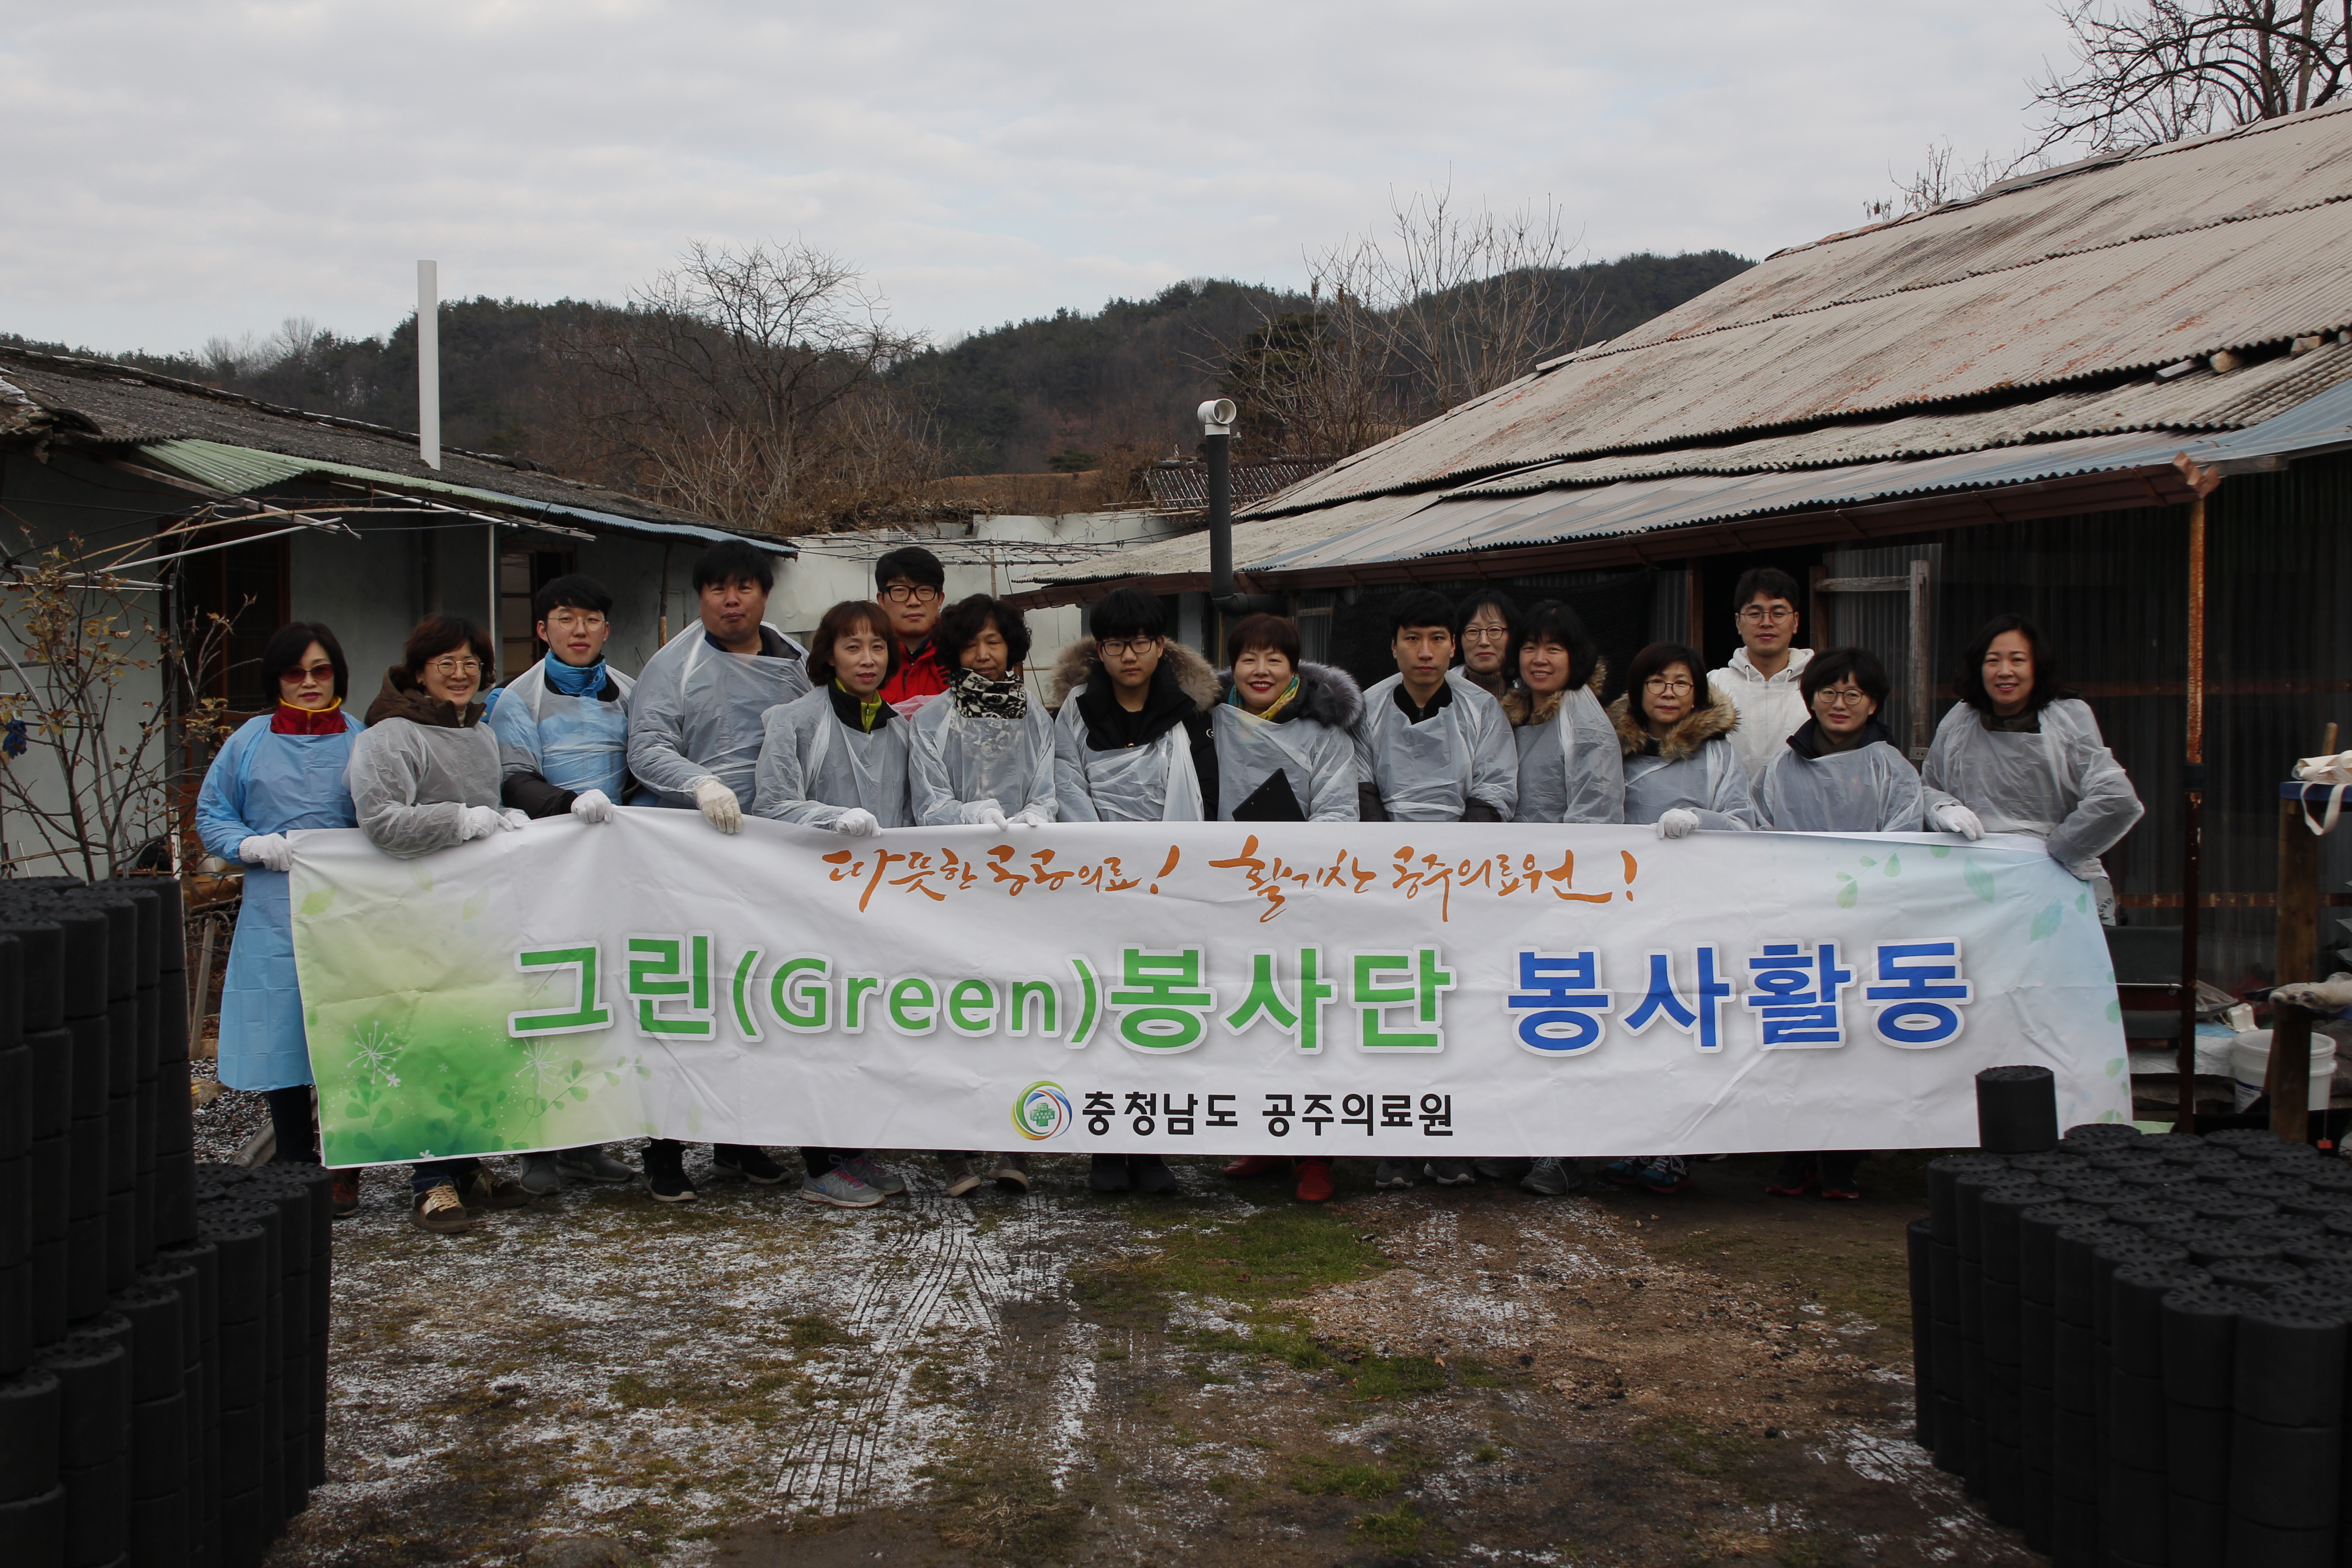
x=200 y=167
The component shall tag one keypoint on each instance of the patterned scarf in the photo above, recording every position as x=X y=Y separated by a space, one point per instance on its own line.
x=977 y=696
x=1273 y=708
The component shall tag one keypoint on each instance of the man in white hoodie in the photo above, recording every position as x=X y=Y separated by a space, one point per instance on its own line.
x=1761 y=681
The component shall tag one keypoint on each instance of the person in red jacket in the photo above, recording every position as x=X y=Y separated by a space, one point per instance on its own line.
x=911 y=588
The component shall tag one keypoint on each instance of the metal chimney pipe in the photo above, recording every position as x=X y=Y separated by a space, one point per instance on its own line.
x=1217 y=427
x=428 y=363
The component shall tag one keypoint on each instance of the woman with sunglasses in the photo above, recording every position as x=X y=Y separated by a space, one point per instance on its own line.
x=424 y=777
x=281 y=771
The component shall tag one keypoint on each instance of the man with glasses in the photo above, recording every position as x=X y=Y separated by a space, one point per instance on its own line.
x=563 y=727
x=911 y=588
x=1762 y=683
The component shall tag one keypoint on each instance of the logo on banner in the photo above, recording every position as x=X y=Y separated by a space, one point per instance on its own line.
x=1041 y=1111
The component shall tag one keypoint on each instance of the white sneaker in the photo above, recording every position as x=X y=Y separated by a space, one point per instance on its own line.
x=840 y=1189
x=881 y=1178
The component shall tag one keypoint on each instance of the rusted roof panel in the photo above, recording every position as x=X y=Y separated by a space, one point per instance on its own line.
x=2083 y=275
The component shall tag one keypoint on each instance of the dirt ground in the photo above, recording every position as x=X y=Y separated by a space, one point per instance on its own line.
x=1457 y=1376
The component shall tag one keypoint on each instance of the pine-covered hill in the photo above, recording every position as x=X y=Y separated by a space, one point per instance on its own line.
x=1072 y=385
x=1058 y=391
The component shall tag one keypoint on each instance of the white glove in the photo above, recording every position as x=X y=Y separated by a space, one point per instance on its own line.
x=858 y=821
x=479 y=821
x=1954 y=818
x=593 y=805
x=1678 y=824
x=720 y=806
x=1028 y=816
x=515 y=819
x=988 y=814
x=268 y=850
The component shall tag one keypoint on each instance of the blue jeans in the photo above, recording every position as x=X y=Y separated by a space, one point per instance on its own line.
x=423 y=1178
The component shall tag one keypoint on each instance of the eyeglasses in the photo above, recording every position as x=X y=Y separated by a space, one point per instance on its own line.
x=1119 y=647
x=1486 y=634
x=587 y=619
x=1667 y=688
x=910 y=593
x=310 y=672
x=1841 y=701
x=458 y=666
x=1756 y=615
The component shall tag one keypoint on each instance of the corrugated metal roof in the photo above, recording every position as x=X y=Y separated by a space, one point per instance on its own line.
x=96 y=403
x=1182 y=483
x=242 y=470
x=1481 y=518
x=2091 y=275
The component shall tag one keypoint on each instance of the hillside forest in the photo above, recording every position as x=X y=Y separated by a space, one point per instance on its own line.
x=593 y=389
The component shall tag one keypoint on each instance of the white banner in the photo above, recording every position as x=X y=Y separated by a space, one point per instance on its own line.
x=1376 y=989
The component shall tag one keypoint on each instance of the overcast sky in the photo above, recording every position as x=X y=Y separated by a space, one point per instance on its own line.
x=182 y=170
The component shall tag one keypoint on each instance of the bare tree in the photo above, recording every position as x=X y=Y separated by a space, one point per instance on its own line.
x=1442 y=306
x=747 y=384
x=2149 y=71
x=1939 y=180
x=86 y=763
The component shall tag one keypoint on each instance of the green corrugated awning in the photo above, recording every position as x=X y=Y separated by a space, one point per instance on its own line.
x=241 y=470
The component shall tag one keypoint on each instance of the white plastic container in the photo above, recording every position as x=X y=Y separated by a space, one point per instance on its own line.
x=2250 y=1063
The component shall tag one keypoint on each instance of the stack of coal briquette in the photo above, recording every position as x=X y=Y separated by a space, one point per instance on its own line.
x=163 y=1324
x=2133 y=1347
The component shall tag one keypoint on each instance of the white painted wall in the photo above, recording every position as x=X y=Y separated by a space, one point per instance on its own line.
x=995 y=553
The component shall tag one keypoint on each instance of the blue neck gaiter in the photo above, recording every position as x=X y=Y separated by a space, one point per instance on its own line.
x=574 y=680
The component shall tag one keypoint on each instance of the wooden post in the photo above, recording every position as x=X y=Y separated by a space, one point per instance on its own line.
x=2192 y=817
x=2295 y=956
x=2287 y=1079
x=2295 y=953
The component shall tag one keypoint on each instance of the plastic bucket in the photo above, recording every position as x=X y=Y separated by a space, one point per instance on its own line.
x=2250 y=1061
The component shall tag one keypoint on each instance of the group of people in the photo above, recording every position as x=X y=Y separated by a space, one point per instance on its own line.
x=905 y=711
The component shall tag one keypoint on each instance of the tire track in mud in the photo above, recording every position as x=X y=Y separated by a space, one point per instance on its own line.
x=935 y=1269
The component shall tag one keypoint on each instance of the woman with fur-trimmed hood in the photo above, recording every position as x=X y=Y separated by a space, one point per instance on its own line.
x=1672 y=726
x=1570 y=766
x=1285 y=731
x=1133 y=739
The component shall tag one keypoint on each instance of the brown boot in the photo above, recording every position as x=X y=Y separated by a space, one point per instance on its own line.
x=347 y=1193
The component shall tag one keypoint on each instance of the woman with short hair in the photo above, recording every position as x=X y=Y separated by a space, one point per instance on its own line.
x=1284 y=730
x=1674 y=728
x=2018 y=752
x=1571 y=767
x=1841 y=772
x=1486 y=628
x=837 y=759
x=424 y=777
x=280 y=773
x=981 y=754
x=1284 y=739
x=984 y=756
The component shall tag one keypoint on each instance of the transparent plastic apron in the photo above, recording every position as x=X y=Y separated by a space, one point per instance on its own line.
x=871 y=769
x=1424 y=769
x=1146 y=783
x=1250 y=750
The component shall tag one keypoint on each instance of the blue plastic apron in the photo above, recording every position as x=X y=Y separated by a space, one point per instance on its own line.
x=283 y=782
